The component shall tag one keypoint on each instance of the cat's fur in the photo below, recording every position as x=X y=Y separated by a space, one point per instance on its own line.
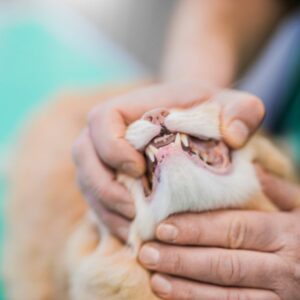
x=54 y=249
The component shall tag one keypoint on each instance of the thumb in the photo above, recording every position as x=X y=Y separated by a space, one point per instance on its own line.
x=241 y=115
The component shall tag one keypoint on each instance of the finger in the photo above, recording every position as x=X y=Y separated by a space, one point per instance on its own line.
x=118 y=226
x=107 y=129
x=97 y=181
x=228 y=229
x=214 y=265
x=285 y=194
x=171 y=95
x=108 y=122
x=167 y=287
x=241 y=115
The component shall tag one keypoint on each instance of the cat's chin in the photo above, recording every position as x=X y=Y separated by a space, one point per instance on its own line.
x=184 y=186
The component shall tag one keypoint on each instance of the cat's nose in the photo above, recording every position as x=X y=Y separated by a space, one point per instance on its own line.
x=156 y=116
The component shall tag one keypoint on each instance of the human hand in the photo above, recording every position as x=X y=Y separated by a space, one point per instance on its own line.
x=235 y=254
x=102 y=149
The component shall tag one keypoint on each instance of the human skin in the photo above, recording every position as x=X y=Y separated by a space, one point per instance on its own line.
x=215 y=40
x=101 y=149
x=211 y=41
x=235 y=254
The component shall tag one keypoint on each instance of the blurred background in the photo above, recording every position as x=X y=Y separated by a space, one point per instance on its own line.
x=56 y=45
x=48 y=45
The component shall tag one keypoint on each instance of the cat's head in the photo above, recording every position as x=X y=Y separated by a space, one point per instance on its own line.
x=188 y=161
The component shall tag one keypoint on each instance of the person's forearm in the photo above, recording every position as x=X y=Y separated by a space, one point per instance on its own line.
x=213 y=40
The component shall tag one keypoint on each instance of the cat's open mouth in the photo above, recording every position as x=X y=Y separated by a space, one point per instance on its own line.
x=212 y=155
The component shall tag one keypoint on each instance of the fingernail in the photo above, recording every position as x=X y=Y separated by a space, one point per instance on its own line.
x=149 y=256
x=161 y=285
x=123 y=233
x=126 y=209
x=238 y=132
x=167 y=232
x=130 y=168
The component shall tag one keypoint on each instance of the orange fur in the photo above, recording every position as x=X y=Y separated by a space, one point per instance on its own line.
x=52 y=245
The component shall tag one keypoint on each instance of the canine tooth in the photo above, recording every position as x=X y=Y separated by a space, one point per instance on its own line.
x=177 y=139
x=184 y=139
x=153 y=149
x=150 y=154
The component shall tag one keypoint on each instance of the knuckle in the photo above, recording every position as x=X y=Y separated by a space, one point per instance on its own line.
x=80 y=183
x=274 y=297
x=188 y=294
x=97 y=114
x=102 y=191
x=236 y=233
x=94 y=115
x=227 y=269
x=98 y=190
x=295 y=271
x=106 y=218
x=78 y=149
x=109 y=220
x=235 y=294
x=280 y=271
x=85 y=184
x=110 y=156
x=290 y=236
x=176 y=264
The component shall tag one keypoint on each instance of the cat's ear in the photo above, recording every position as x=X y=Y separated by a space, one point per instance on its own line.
x=140 y=133
x=200 y=121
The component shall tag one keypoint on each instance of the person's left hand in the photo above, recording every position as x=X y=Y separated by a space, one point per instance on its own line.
x=230 y=254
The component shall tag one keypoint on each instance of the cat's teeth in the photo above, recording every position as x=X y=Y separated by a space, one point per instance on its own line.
x=153 y=149
x=150 y=154
x=178 y=140
x=184 y=139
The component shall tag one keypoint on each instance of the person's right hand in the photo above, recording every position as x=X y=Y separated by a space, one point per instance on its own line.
x=101 y=150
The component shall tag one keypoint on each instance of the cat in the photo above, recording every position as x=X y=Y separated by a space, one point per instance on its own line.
x=57 y=249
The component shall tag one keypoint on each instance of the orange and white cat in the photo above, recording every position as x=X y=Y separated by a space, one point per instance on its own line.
x=57 y=249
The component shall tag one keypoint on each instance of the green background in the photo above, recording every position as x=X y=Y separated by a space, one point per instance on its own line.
x=35 y=64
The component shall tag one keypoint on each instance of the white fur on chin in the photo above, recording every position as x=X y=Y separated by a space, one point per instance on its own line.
x=184 y=185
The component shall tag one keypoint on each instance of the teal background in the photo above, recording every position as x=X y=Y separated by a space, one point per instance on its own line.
x=34 y=65
x=288 y=123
